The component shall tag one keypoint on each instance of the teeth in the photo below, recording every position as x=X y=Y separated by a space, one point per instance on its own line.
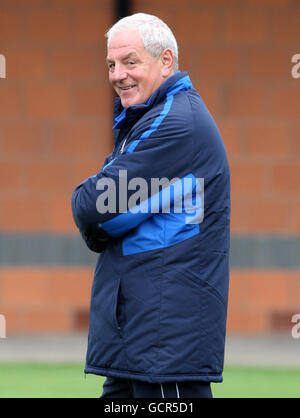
x=127 y=88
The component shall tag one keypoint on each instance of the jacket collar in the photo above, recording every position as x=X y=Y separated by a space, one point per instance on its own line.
x=124 y=116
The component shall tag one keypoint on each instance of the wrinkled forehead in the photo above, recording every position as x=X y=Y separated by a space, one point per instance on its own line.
x=123 y=43
x=124 y=37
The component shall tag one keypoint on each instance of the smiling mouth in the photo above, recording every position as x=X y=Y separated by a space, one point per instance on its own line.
x=127 y=88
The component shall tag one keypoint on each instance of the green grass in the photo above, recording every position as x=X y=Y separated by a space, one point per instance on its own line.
x=258 y=382
x=47 y=381
x=68 y=381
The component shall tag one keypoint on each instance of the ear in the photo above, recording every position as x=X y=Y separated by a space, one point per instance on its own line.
x=167 y=61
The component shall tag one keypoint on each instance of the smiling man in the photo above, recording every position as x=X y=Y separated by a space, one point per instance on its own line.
x=133 y=72
x=160 y=290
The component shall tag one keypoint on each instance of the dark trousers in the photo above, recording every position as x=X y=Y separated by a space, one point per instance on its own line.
x=123 y=388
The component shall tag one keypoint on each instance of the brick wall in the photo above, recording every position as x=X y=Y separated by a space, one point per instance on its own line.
x=55 y=107
x=238 y=54
x=55 y=130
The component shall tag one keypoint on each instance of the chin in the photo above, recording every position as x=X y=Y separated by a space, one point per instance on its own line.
x=128 y=103
x=132 y=101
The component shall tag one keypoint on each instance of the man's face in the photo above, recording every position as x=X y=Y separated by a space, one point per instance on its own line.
x=133 y=72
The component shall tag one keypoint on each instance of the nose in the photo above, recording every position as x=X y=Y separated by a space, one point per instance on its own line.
x=119 y=74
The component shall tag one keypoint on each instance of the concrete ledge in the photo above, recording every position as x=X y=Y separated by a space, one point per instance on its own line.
x=254 y=252
x=279 y=350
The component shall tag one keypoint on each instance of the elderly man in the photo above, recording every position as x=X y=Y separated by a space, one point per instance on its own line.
x=159 y=296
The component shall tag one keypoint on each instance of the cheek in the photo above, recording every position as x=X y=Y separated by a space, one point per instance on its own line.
x=110 y=80
x=148 y=83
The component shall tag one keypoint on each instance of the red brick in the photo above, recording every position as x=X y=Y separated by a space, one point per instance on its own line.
x=79 y=4
x=285 y=28
x=71 y=287
x=187 y=60
x=27 y=64
x=94 y=101
x=295 y=294
x=22 y=137
x=269 y=64
x=248 y=179
x=22 y=5
x=82 y=170
x=268 y=4
x=237 y=288
x=90 y=164
x=217 y=4
x=190 y=61
x=43 y=299
x=104 y=140
x=11 y=28
x=11 y=176
x=255 y=294
x=243 y=28
x=219 y=64
x=209 y=94
x=91 y=27
x=138 y=5
x=297 y=140
x=244 y=101
x=24 y=287
x=73 y=139
x=268 y=139
x=280 y=321
x=285 y=101
x=48 y=176
x=269 y=215
x=268 y=290
x=73 y=64
x=48 y=26
x=10 y=103
x=246 y=322
x=59 y=214
x=47 y=101
x=14 y=319
x=239 y=213
x=296 y=220
x=285 y=178
x=205 y=26
x=19 y=214
x=153 y=6
x=167 y=9
x=232 y=136
x=49 y=319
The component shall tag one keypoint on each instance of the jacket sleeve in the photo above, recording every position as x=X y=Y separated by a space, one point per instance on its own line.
x=118 y=198
x=95 y=242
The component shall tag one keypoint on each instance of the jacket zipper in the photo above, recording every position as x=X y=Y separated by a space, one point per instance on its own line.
x=123 y=145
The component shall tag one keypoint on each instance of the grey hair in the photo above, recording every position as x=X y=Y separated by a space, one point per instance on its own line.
x=155 y=34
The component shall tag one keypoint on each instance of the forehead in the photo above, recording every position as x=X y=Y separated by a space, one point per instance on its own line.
x=125 y=42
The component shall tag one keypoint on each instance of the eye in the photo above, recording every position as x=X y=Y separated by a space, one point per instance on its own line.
x=111 y=66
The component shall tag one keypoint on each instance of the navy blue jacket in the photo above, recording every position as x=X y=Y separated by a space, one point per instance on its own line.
x=159 y=295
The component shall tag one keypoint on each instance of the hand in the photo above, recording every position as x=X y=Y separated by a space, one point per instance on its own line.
x=95 y=244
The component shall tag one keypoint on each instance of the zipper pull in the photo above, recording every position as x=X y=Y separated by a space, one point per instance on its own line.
x=123 y=145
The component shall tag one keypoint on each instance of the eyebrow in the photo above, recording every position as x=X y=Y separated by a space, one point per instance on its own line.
x=130 y=55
